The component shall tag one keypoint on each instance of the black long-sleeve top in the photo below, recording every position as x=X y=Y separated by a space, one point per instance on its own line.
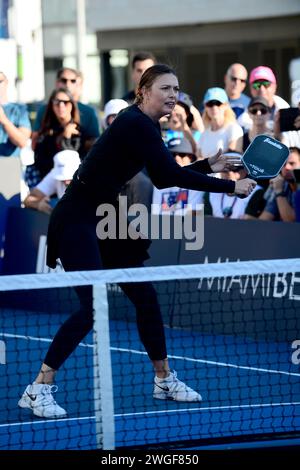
x=133 y=141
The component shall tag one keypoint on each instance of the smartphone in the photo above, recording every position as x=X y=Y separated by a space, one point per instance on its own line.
x=297 y=175
x=287 y=118
x=235 y=159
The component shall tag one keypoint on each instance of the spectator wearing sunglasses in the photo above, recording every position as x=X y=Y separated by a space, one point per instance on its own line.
x=235 y=82
x=60 y=130
x=263 y=84
x=259 y=113
x=72 y=80
x=221 y=128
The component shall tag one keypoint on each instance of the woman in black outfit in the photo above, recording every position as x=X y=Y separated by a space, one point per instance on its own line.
x=132 y=142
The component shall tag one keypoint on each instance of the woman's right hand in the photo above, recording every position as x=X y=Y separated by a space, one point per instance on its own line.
x=244 y=187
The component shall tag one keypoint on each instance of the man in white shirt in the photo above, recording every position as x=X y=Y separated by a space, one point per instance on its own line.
x=54 y=183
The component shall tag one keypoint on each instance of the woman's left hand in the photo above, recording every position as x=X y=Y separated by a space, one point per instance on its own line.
x=219 y=162
x=70 y=129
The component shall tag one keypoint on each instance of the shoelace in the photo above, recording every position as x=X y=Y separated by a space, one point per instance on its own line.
x=175 y=381
x=174 y=374
x=178 y=385
x=48 y=390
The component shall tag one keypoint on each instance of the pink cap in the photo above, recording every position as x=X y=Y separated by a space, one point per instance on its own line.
x=262 y=73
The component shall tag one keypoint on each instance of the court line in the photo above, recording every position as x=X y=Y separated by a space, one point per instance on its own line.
x=215 y=363
x=143 y=413
x=38 y=338
x=209 y=408
x=182 y=358
x=43 y=421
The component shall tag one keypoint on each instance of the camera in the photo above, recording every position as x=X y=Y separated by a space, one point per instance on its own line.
x=297 y=175
x=287 y=118
x=235 y=160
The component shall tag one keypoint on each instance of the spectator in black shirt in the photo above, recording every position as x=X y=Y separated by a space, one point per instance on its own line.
x=140 y=62
x=72 y=80
x=131 y=142
x=60 y=130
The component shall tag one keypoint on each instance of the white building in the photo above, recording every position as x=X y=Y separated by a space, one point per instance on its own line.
x=200 y=38
x=21 y=49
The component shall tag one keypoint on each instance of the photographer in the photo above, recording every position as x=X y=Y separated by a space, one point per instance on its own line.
x=288 y=126
x=280 y=196
x=297 y=194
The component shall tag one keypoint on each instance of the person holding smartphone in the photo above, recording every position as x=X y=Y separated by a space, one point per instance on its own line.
x=288 y=126
x=280 y=196
x=297 y=193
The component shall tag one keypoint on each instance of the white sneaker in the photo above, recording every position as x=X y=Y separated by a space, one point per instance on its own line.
x=171 y=388
x=39 y=398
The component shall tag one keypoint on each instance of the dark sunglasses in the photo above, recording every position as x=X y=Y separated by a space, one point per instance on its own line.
x=255 y=111
x=66 y=80
x=212 y=103
x=235 y=79
x=57 y=102
x=258 y=85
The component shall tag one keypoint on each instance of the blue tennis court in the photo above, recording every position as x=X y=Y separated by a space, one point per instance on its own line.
x=249 y=387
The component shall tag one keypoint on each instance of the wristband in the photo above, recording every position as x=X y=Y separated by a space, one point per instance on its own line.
x=281 y=194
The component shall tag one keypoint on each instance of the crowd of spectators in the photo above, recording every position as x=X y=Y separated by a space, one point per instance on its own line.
x=228 y=118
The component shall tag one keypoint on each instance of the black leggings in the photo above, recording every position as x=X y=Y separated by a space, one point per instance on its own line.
x=79 y=251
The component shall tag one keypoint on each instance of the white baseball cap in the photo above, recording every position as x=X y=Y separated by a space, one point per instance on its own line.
x=66 y=163
x=114 y=107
